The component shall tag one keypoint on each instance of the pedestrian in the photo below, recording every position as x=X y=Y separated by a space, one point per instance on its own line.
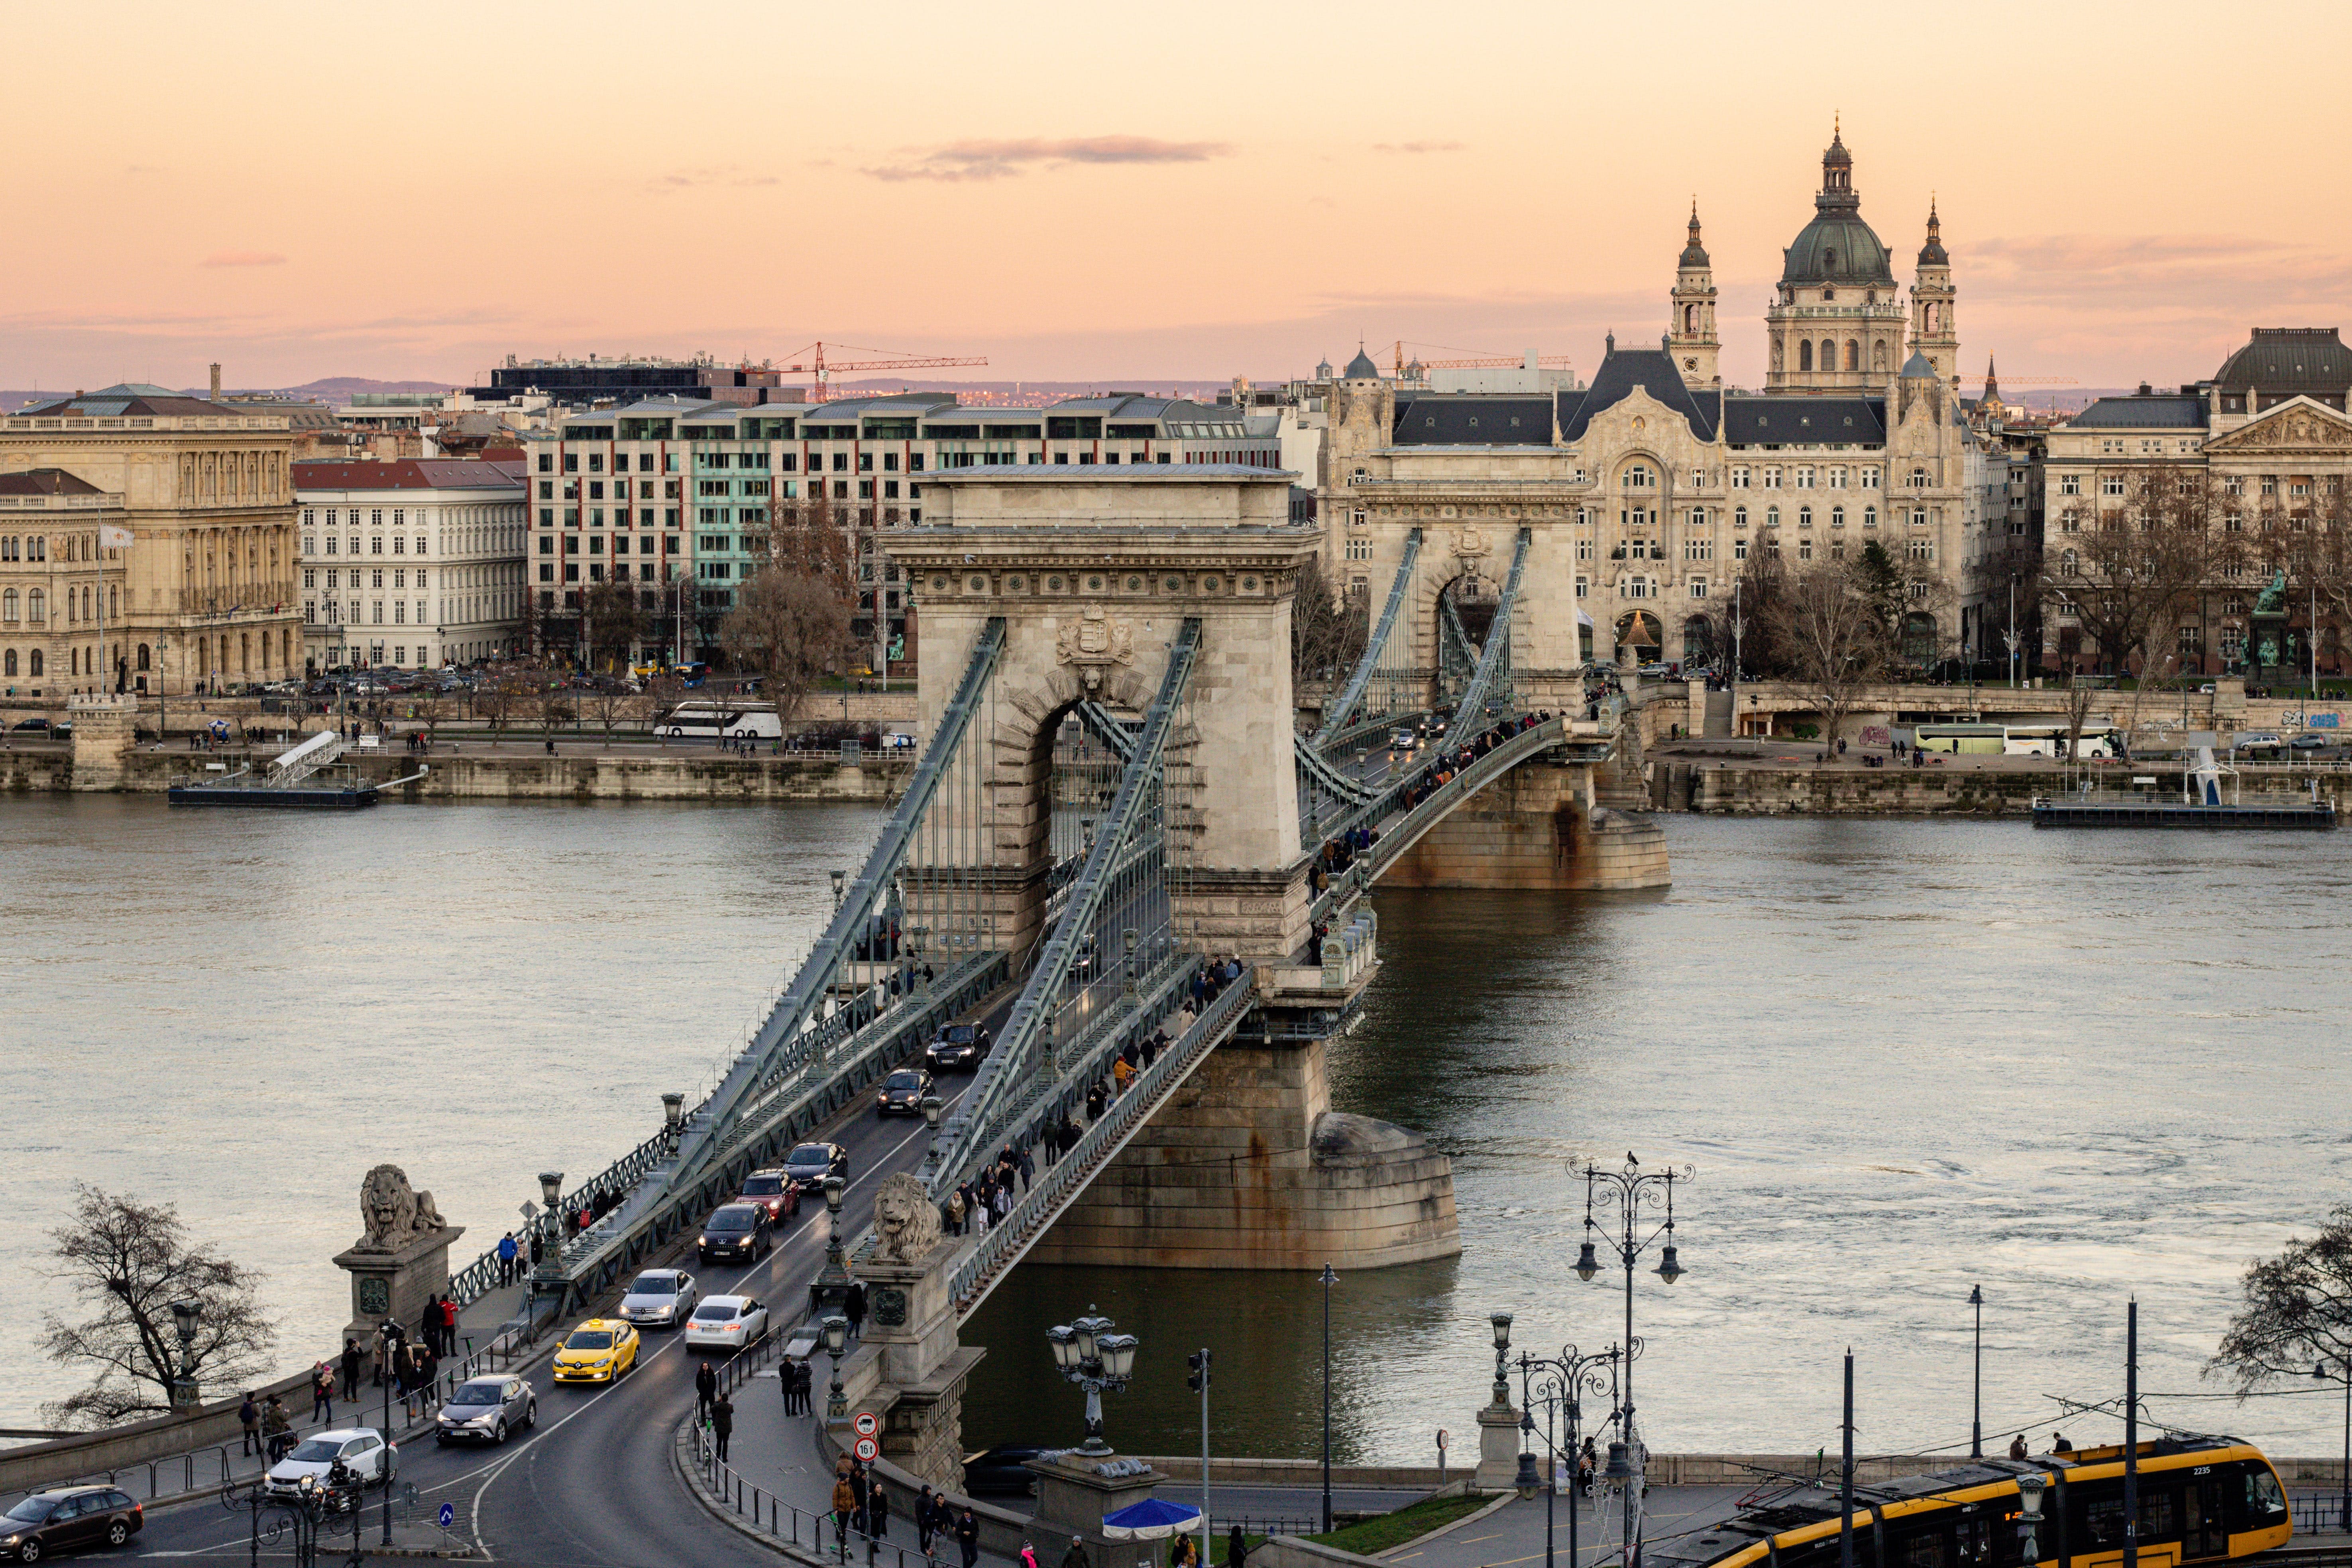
x=1237 y=1549
x=925 y=1519
x=537 y=1249
x=275 y=1425
x=507 y=1250
x=1028 y=1555
x=967 y=1534
x=844 y=1503
x=877 y=1511
x=706 y=1389
x=2058 y=1444
x=248 y=1415
x=802 y=1382
x=449 y=1324
x=1028 y=1170
x=955 y=1212
x=322 y=1393
x=2016 y=1447
x=352 y=1356
x=1075 y=1557
x=722 y=1423
x=853 y=1306
x=1181 y=1553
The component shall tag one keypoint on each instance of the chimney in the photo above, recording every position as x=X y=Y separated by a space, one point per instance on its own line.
x=215 y=381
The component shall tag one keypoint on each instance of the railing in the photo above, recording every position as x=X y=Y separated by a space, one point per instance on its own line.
x=2322 y=1512
x=1469 y=718
x=1335 y=717
x=1004 y=1243
x=788 y=1524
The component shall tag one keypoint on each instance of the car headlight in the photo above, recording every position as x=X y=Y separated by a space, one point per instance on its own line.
x=490 y=1420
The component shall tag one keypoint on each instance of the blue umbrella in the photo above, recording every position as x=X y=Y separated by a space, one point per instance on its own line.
x=1150 y=1520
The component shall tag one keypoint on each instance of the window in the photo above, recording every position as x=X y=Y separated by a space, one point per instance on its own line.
x=1804 y=517
x=1870 y=516
x=1581 y=587
x=1772 y=478
x=1698 y=587
x=1698 y=517
x=1698 y=548
x=1923 y=550
x=1739 y=517
x=1739 y=478
x=1918 y=517
x=2111 y=484
x=1584 y=549
x=1837 y=517
x=1918 y=478
x=1870 y=478
x=1804 y=475
x=1740 y=550
x=1359 y=550
x=1837 y=479
x=1640 y=478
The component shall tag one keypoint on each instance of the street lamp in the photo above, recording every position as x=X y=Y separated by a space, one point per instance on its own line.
x=1088 y=1353
x=673 y=1116
x=185 y=1313
x=932 y=1106
x=1976 y=1401
x=832 y=1286
x=1631 y=1190
x=2343 y=1373
x=1572 y=1375
x=2031 y=1489
x=836 y=1339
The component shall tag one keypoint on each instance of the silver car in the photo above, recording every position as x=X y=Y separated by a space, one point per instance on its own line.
x=659 y=1297
x=485 y=1410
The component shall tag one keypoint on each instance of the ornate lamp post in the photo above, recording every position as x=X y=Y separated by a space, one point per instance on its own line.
x=1327 y=1281
x=673 y=1116
x=273 y=1516
x=185 y=1314
x=2029 y=1491
x=836 y=1338
x=1975 y=1399
x=2343 y=1373
x=1085 y=1353
x=1632 y=1191
x=832 y=1286
x=1571 y=1376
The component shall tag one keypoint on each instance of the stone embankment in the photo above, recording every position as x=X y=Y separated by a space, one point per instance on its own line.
x=1738 y=788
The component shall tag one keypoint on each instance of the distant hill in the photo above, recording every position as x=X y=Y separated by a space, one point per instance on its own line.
x=328 y=389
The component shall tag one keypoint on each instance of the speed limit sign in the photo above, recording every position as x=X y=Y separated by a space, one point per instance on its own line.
x=867 y=1450
x=866 y=1423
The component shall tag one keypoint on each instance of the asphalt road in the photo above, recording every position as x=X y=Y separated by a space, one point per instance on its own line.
x=592 y=1483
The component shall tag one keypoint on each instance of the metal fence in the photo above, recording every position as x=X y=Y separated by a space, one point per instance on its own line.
x=827 y=1533
x=2322 y=1513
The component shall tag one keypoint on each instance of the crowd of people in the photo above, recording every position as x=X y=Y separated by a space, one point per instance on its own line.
x=1442 y=768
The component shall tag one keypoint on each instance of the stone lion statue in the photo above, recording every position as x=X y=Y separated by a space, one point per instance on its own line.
x=905 y=1221
x=393 y=1212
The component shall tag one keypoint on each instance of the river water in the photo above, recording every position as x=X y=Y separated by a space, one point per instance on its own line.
x=1903 y=1057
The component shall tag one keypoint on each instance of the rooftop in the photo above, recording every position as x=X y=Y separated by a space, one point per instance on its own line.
x=411 y=473
x=132 y=397
x=2143 y=411
x=2289 y=359
x=1113 y=474
x=45 y=482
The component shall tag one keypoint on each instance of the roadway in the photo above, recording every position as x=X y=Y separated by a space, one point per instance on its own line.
x=592 y=1483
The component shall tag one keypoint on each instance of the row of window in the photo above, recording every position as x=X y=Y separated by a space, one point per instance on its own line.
x=789 y=462
x=458 y=516
x=2299 y=486
x=25 y=547
x=375 y=544
x=73 y=606
x=595 y=543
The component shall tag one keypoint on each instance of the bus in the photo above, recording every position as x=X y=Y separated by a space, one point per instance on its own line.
x=703 y=721
x=2202 y=1500
x=2050 y=741
x=1960 y=740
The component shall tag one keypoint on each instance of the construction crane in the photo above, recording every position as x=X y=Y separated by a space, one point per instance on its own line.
x=810 y=360
x=1481 y=361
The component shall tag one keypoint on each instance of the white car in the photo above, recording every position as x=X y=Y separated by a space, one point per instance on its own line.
x=363 y=1450
x=659 y=1297
x=727 y=1323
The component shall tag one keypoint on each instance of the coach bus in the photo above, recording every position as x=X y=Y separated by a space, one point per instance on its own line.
x=2050 y=741
x=1973 y=740
x=2202 y=1500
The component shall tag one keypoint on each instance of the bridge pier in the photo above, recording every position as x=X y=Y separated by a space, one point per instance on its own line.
x=1538 y=828
x=1248 y=1166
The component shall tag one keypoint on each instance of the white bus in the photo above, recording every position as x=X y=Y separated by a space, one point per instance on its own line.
x=2050 y=741
x=706 y=721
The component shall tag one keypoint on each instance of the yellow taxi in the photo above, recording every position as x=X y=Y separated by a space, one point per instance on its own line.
x=598 y=1350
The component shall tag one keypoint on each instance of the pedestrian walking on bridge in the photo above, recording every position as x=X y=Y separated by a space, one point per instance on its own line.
x=877 y=1511
x=967 y=1534
x=706 y=1389
x=844 y=1503
x=508 y=1252
x=352 y=1356
x=722 y=1424
x=248 y=1415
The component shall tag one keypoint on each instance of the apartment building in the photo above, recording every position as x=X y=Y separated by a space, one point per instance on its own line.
x=412 y=564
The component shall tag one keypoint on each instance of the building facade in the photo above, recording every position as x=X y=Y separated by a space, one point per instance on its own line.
x=208 y=583
x=61 y=586
x=1646 y=493
x=412 y=564
x=2254 y=466
x=679 y=498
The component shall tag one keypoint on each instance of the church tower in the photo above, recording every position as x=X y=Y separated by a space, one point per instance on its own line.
x=1836 y=323
x=1690 y=336
x=1935 y=334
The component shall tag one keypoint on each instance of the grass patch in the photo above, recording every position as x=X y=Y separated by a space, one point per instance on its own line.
x=1384 y=1531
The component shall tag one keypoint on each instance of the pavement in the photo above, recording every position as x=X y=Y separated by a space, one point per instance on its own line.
x=1514 y=1535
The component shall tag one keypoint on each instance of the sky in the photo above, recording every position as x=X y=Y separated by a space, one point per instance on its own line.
x=1127 y=194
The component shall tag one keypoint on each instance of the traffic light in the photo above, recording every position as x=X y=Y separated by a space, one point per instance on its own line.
x=1198 y=1381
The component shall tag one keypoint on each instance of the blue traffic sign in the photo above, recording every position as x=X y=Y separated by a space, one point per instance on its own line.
x=448 y=1515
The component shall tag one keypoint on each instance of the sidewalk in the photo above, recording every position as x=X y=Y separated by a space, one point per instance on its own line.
x=1513 y=1536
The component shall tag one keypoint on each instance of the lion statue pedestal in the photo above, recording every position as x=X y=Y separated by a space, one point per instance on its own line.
x=401 y=1258
x=910 y=1326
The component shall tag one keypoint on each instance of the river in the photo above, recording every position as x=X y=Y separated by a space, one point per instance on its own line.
x=1905 y=1058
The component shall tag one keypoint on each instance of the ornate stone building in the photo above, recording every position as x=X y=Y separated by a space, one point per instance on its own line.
x=207 y=586
x=1645 y=492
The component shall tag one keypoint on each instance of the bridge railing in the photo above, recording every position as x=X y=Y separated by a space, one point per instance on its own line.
x=1004 y=1243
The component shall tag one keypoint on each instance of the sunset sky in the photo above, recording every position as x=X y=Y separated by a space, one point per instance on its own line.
x=1127 y=194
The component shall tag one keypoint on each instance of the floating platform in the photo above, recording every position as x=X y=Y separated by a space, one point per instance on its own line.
x=2059 y=812
x=312 y=797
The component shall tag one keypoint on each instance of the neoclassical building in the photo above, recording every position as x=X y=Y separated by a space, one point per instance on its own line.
x=1645 y=492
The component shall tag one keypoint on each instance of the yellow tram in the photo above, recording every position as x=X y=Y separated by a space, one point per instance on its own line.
x=2202 y=1500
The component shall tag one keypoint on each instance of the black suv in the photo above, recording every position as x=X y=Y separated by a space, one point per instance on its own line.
x=736 y=1231
x=958 y=1048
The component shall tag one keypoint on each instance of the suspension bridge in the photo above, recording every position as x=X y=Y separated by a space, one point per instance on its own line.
x=1114 y=792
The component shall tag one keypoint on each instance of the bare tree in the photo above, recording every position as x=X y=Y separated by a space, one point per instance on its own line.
x=791 y=623
x=1763 y=591
x=2297 y=1309
x=609 y=620
x=610 y=705
x=1327 y=633
x=1835 y=638
x=553 y=708
x=500 y=700
x=2129 y=572
x=129 y=1261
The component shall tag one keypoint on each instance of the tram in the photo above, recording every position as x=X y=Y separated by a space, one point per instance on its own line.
x=2202 y=1500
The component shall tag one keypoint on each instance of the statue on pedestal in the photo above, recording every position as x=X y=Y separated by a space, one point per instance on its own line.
x=393 y=1212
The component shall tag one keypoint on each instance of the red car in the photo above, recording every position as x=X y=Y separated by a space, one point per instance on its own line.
x=772 y=1191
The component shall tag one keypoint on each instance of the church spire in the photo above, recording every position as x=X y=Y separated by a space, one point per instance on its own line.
x=1932 y=253
x=1694 y=253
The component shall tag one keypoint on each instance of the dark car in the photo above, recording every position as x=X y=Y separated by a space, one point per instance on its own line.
x=809 y=1164
x=30 y=725
x=736 y=1231
x=773 y=1191
x=68 y=1519
x=1001 y=1470
x=958 y=1048
x=902 y=1093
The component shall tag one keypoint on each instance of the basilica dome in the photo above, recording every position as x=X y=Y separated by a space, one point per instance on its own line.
x=1837 y=246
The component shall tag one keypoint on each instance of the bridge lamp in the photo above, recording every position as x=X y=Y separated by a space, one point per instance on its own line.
x=839 y=877
x=673 y=1112
x=1118 y=1351
x=1669 y=1268
x=836 y=1339
x=1588 y=1265
x=2029 y=1491
x=185 y=1314
x=550 y=1188
x=931 y=1107
x=1090 y=1330
x=1501 y=1323
x=1064 y=1341
x=833 y=1185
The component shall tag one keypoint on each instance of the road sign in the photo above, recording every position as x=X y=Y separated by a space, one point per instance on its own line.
x=529 y=1211
x=448 y=1515
x=866 y=1423
x=867 y=1450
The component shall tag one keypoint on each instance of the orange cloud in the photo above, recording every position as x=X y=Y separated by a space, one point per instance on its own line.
x=996 y=160
x=242 y=258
